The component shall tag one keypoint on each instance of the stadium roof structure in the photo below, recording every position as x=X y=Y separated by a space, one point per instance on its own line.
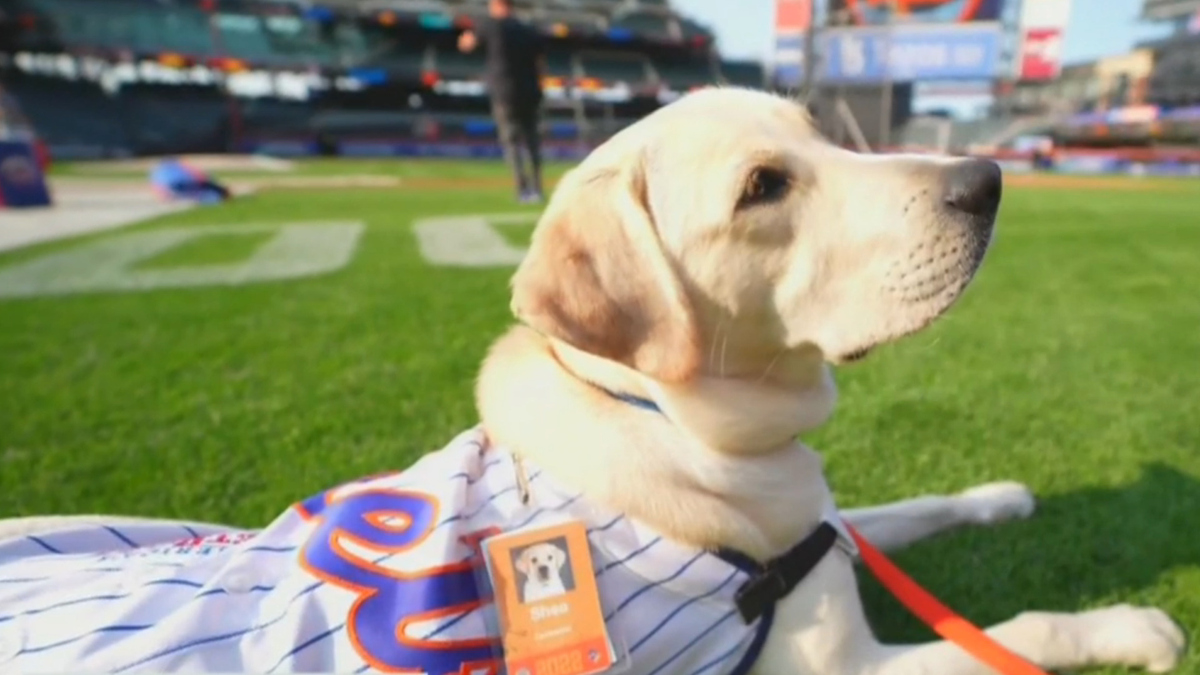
x=605 y=6
x=620 y=19
x=1169 y=9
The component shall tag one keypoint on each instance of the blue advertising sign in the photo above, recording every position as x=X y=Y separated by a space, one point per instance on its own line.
x=911 y=53
x=789 y=60
x=22 y=183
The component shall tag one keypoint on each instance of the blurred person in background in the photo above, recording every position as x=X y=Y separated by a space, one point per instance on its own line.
x=515 y=63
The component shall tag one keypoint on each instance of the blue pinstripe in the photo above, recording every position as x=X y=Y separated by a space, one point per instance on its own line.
x=279 y=618
x=117 y=533
x=468 y=516
x=660 y=629
x=222 y=591
x=40 y=542
x=121 y=596
x=156 y=563
x=631 y=556
x=224 y=636
x=723 y=657
x=65 y=603
x=447 y=625
x=607 y=526
x=648 y=587
x=486 y=467
x=305 y=645
x=682 y=650
x=667 y=619
x=77 y=638
x=270 y=549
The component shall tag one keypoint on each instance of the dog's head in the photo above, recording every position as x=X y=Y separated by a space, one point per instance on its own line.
x=722 y=236
x=541 y=562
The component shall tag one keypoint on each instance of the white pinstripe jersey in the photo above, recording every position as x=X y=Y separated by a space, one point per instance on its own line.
x=372 y=576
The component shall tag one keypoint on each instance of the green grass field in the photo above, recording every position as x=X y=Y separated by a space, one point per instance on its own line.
x=1070 y=365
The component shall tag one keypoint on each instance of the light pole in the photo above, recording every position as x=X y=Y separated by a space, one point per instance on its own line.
x=885 y=124
x=810 y=54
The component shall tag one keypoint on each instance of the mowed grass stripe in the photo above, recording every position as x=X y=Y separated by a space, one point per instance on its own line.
x=213 y=249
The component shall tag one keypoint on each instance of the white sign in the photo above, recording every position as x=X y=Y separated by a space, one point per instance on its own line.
x=469 y=241
x=111 y=264
x=1045 y=13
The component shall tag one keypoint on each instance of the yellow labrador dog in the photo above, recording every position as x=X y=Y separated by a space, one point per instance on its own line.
x=686 y=292
x=714 y=260
x=541 y=566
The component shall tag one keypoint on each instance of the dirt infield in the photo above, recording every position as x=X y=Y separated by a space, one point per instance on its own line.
x=81 y=207
x=1066 y=182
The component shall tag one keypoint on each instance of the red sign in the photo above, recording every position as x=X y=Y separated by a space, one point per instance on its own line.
x=1041 y=54
x=793 y=16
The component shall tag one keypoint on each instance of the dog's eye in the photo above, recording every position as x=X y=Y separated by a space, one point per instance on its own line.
x=763 y=186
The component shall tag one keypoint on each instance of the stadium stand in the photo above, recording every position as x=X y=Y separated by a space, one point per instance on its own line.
x=1176 y=77
x=304 y=76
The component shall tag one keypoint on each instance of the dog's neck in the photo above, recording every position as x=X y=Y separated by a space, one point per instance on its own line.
x=741 y=417
x=719 y=466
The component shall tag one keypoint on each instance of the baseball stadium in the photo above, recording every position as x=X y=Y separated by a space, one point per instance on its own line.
x=321 y=315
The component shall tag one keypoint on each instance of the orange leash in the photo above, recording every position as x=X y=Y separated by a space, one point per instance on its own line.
x=939 y=617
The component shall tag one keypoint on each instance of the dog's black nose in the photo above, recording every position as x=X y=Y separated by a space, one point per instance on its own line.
x=973 y=186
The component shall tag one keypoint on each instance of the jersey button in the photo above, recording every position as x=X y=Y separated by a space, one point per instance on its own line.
x=128 y=581
x=238 y=582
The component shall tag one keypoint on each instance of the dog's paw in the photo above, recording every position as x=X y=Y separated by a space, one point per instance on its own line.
x=1141 y=637
x=993 y=503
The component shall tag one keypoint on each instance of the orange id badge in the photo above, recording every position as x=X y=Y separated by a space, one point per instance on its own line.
x=550 y=617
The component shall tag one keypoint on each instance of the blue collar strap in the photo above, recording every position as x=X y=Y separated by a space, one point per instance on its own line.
x=635 y=401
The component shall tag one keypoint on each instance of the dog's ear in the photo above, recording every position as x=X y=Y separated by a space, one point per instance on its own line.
x=597 y=278
x=523 y=562
x=560 y=558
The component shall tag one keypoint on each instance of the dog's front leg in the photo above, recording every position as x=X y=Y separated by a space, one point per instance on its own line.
x=899 y=524
x=820 y=629
x=1120 y=635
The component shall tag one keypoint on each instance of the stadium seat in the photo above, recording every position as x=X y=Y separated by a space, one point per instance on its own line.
x=642 y=23
x=575 y=21
x=689 y=29
x=243 y=37
x=684 y=75
x=744 y=73
x=160 y=120
x=627 y=67
x=52 y=106
x=384 y=63
x=362 y=124
x=453 y=64
x=560 y=62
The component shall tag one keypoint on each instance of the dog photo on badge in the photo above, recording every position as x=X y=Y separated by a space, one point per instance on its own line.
x=544 y=568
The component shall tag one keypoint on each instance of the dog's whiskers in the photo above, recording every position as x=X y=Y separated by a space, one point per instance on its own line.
x=767 y=370
x=724 y=349
x=712 y=350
